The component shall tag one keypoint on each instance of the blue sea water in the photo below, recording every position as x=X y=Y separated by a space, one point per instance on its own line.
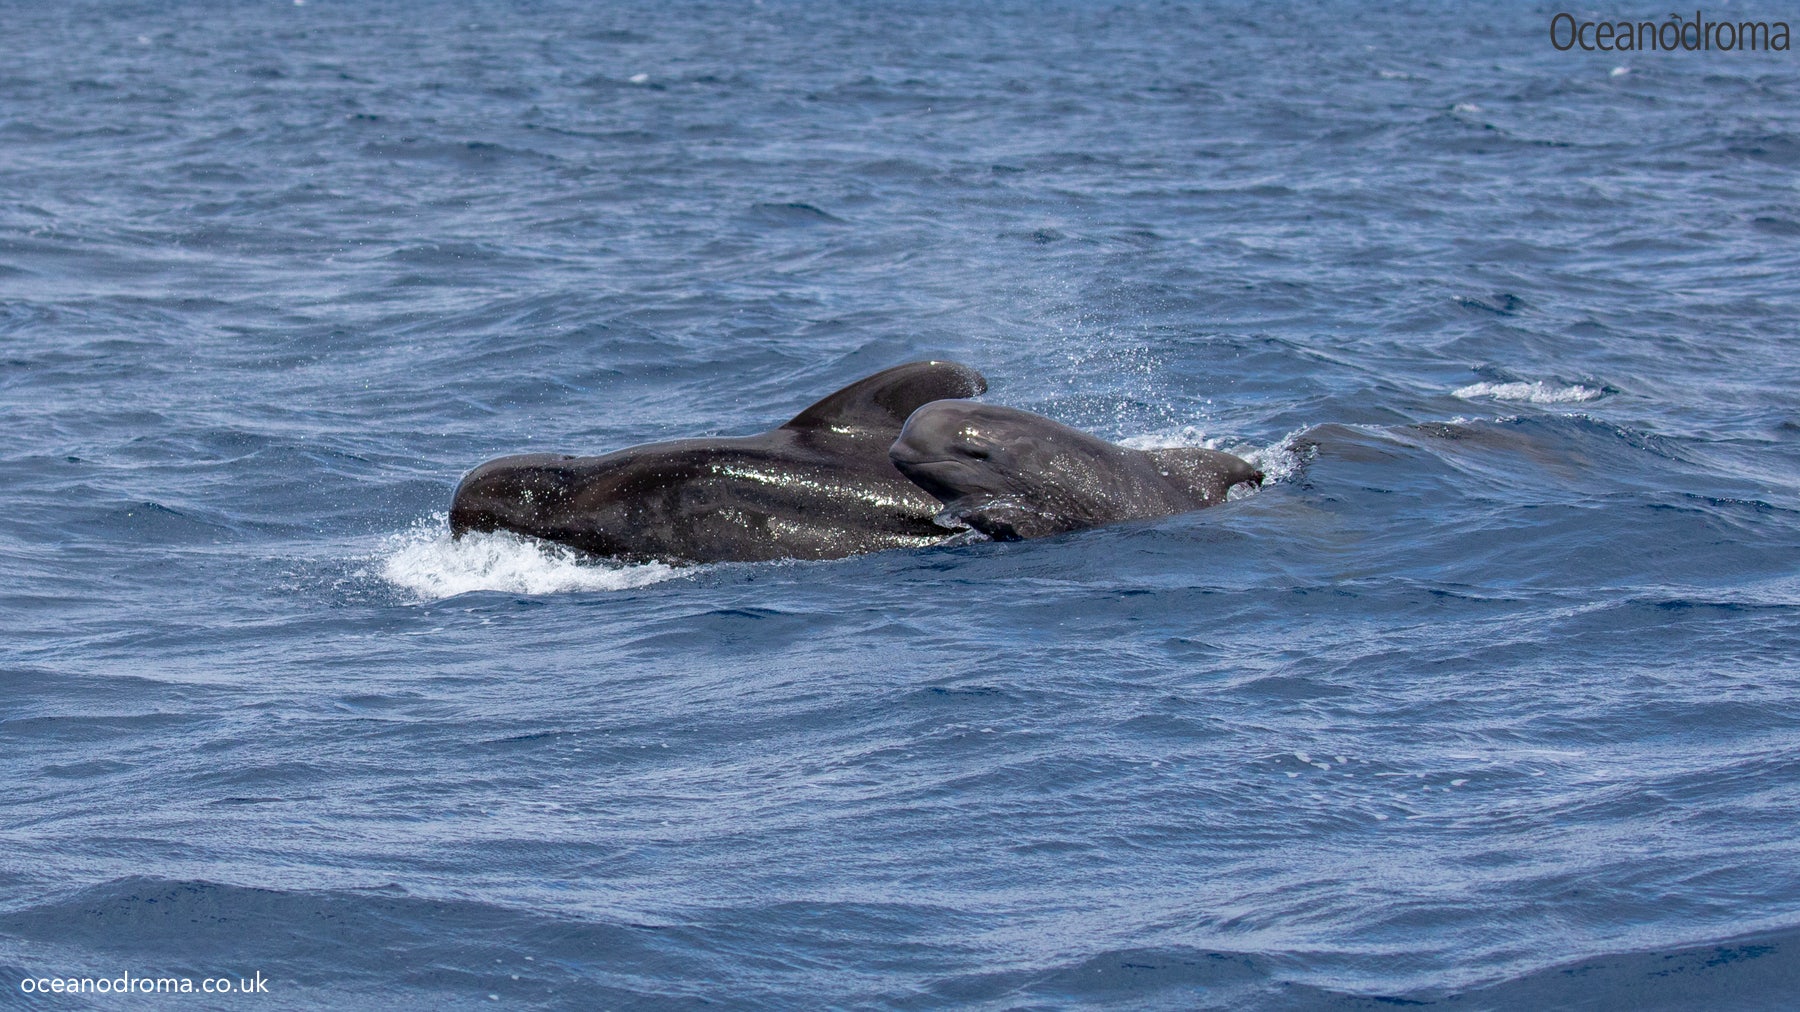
x=1488 y=700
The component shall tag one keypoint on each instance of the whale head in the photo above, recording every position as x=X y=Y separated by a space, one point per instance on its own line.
x=527 y=494
x=958 y=449
x=1008 y=473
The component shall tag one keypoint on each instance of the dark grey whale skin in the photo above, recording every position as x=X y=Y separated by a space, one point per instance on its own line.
x=1012 y=474
x=819 y=487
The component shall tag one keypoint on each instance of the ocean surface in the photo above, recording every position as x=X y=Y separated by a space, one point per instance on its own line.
x=1489 y=699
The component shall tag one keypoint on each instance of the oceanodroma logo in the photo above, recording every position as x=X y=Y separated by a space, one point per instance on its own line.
x=1675 y=33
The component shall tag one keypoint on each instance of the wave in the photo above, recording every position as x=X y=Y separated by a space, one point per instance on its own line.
x=1537 y=392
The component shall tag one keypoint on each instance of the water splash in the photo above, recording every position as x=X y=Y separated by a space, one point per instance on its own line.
x=425 y=562
x=1278 y=461
x=1163 y=439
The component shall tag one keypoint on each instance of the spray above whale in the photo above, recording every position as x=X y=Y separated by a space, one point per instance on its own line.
x=881 y=464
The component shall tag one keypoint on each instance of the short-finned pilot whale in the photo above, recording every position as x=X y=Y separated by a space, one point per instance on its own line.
x=1012 y=474
x=819 y=487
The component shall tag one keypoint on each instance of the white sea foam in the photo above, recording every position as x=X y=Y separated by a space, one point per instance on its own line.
x=426 y=562
x=1537 y=392
x=1278 y=461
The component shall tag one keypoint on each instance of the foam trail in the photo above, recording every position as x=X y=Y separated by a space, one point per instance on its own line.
x=426 y=562
x=1537 y=392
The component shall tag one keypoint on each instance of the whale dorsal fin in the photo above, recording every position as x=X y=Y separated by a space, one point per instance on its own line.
x=882 y=402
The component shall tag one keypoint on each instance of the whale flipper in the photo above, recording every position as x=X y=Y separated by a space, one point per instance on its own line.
x=1005 y=520
x=880 y=404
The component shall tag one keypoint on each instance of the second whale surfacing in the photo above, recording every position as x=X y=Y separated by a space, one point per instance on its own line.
x=1012 y=474
x=819 y=487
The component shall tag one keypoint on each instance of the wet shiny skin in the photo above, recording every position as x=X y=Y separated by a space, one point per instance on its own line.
x=703 y=501
x=819 y=487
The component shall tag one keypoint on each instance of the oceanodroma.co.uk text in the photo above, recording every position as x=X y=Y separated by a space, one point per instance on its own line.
x=130 y=983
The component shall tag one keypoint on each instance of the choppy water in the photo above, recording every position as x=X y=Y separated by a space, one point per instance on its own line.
x=1492 y=694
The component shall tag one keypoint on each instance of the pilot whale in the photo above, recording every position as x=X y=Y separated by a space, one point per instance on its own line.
x=821 y=486
x=1011 y=474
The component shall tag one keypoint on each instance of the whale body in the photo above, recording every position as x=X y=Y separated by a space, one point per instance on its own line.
x=1012 y=474
x=821 y=486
